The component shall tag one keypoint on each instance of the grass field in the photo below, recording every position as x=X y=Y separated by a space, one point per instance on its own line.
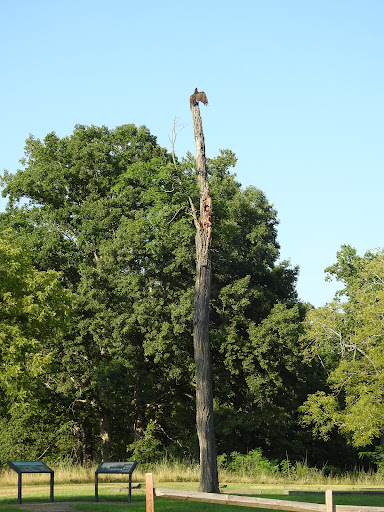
x=75 y=485
x=113 y=496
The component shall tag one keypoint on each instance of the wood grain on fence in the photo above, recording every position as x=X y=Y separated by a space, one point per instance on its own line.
x=245 y=501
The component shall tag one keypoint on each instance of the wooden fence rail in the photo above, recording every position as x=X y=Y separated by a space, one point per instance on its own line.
x=248 y=501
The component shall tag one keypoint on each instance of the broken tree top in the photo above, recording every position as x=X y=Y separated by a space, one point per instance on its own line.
x=198 y=96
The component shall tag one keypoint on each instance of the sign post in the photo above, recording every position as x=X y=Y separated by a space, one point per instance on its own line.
x=26 y=466
x=109 y=468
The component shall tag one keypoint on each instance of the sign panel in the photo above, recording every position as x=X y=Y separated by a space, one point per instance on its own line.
x=125 y=468
x=109 y=468
x=29 y=466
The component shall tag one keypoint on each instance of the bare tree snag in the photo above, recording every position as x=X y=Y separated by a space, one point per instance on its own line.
x=209 y=481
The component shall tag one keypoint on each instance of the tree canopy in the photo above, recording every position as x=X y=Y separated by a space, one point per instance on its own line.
x=34 y=315
x=347 y=337
x=34 y=312
x=110 y=211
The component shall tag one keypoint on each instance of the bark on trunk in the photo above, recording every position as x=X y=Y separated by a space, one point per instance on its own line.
x=105 y=434
x=209 y=481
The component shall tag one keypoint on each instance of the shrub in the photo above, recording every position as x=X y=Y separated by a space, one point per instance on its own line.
x=253 y=463
x=148 y=448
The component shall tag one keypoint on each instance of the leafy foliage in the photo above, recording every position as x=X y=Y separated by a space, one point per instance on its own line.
x=34 y=315
x=148 y=448
x=252 y=464
x=348 y=339
x=110 y=211
x=34 y=311
x=376 y=457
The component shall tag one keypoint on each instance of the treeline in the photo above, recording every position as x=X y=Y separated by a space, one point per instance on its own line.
x=97 y=271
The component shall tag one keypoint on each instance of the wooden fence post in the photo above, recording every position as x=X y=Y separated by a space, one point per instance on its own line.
x=328 y=501
x=149 y=499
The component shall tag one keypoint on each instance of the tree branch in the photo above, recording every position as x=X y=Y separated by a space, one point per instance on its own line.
x=177 y=128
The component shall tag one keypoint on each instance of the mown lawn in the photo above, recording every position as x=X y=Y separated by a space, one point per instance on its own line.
x=114 y=498
x=163 y=505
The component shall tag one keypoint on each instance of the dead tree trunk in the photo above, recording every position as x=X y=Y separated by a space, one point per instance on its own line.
x=209 y=481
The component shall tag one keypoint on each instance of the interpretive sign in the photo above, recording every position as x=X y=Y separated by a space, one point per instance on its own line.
x=30 y=466
x=123 y=468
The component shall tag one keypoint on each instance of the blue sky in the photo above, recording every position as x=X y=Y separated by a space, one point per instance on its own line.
x=295 y=89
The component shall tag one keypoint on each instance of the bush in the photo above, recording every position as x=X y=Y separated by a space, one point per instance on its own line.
x=252 y=464
x=148 y=448
x=376 y=458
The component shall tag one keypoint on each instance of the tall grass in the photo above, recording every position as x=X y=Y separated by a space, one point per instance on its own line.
x=166 y=471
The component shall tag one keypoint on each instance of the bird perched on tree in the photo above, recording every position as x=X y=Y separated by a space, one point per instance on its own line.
x=198 y=96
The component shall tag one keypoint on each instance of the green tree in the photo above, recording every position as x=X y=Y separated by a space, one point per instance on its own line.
x=99 y=238
x=34 y=311
x=34 y=314
x=347 y=337
x=253 y=292
x=111 y=212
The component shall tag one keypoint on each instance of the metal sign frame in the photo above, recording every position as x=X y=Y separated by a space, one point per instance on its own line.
x=31 y=466
x=114 y=468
